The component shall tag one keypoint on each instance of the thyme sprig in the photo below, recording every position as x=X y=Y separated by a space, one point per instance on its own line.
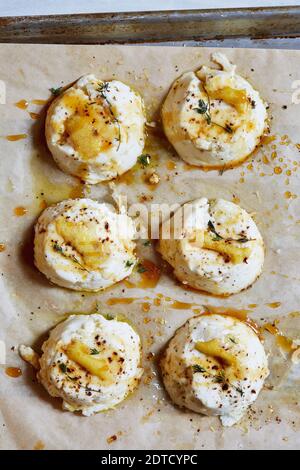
x=94 y=351
x=242 y=240
x=232 y=339
x=103 y=89
x=197 y=368
x=219 y=378
x=212 y=229
x=64 y=369
x=60 y=250
x=218 y=237
x=204 y=108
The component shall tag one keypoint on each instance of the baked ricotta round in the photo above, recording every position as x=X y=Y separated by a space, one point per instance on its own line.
x=95 y=129
x=213 y=246
x=84 y=245
x=215 y=365
x=91 y=363
x=213 y=117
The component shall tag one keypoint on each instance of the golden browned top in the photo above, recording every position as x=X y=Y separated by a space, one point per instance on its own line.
x=90 y=126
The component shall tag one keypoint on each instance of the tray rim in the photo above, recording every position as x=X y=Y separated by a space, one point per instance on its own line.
x=140 y=27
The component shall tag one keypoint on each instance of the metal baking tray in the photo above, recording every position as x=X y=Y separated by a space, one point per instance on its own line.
x=276 y=27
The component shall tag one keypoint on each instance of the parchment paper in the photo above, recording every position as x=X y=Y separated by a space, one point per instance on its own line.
x=30 y=306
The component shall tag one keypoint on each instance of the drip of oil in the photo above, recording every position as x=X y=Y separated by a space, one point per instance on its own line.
x=119 y=300
x=186 y=287
x=22 y=104
x=39 y=102
x=87 y=125
x=282 y=341
x=151 y=275
x=181 y=305
x=236 y=199
x=15 y=137
x=129 y=284
x=13 y=372
x=241 y=315
x=274 y=304
x=48 y=192
x=265 y=160
x=146 y=306
x=39 y=445
x=267 y=139
x=171 y=165
x=20 y=211
x=34 y=115
x=127 y=178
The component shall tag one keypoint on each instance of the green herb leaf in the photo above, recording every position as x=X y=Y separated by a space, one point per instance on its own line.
x=197 y=368
x=242 y=240
x=232 y=339
x=217 y=237
x=57 y=247
x=147 y=243
x=94 y=351
x=141 y=268
x=202 y=107
x=108 y=316
x=228 y=129
x=71 y=378
x=240 y=391
x=144 y=160
x=103 y=89
x=129 y=263
x=220 y=378
x=63 y=367
x=56 y=91
x=212 y=229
